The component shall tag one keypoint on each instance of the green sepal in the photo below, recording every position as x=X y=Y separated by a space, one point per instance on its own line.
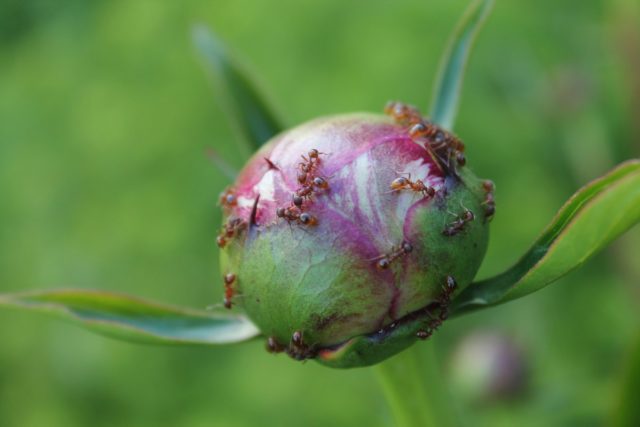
x=134 y=319
x=593 y=217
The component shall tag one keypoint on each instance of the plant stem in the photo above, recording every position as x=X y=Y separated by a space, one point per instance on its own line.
x=412 y=385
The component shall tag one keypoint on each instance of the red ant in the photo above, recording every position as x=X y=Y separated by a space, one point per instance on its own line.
x=440 y=142
x=443 y=300
x=405 y=183
x=227 y=198
x=489 y=202
x=424 y=334
x=383 y=262
x=273 y=346
x=295 y=214
x=309 y=166
x=298 y=349
x=311 y=163
x=233 y=227
x=229 y=291
x=402 y=114
x=304 y=192
x=458 y=225
x=423 y=129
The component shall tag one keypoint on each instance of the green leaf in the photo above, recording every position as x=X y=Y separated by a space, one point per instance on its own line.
x=589 y=221
x=250 y=113
x=446 y=94
x=134 y=319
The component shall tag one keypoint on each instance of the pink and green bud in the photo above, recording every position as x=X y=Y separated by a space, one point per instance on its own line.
x=345 y=238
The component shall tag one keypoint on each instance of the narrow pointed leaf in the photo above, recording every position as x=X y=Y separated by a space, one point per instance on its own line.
x=247 y=108
x=448 y=84
x=133 y=319
x=589 y=221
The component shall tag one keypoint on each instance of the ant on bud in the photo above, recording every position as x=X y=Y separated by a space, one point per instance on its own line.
x=289 y=214
x=314 y=154
x=294 y=214
x=305 y=191
x=443 y=301
x=297 y=200
x=441 y=145
x=298 y=349
x=227 y=198
x=229 y=280
x=273 y=346
x=422 y=130
x=445 y=298
x=489 y=202
x=310 y=181
x=311 y=163
x=232 y=228
x=405 y=183
x=296 y=339
x=424 y=334
x=307 y=219
x=459 y=224
x=402 y=114
x=451 y=285
x=383 y=262
x=320 y=182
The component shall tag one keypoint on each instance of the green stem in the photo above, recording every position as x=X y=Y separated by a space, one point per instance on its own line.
x=413 y=386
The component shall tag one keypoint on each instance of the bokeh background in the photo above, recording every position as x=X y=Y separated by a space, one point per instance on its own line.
x=105 y=118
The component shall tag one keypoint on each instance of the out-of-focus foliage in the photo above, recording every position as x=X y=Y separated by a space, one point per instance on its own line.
x=105 y=117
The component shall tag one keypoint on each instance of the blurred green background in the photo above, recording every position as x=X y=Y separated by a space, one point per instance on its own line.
x=105 y=118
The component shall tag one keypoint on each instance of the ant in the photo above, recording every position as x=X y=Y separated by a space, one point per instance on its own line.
x=424 y=334
x=311 y=163
x=306 y=191
x=310 y=183
x=229 y=280
x=445 y=297
x=273 y=346
x=309 y=166
x=489 y=202
x=443 y=300
x=405 y=183
x=423 y=129
x=458 y=225
x=402 y=114
x=383 y=262
x=227 y=198
x=295 y=214
x=233 y=227
x=298 y=349
x=441 y=143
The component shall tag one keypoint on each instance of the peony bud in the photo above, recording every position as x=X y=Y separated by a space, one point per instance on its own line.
x=347 y=237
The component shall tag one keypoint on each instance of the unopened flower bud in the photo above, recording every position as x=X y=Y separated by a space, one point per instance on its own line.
x=356 y=232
